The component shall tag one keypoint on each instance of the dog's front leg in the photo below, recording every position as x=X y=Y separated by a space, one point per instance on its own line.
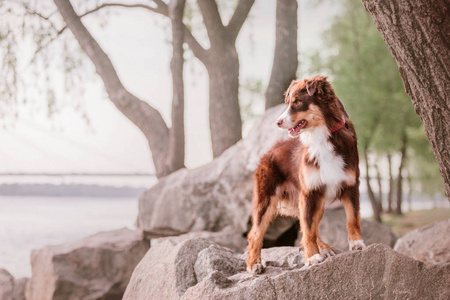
x=311 y=206
x=350 y=200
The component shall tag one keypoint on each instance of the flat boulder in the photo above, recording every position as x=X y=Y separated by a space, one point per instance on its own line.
x=214 y=196
x=201 y=269
x=96 y=267
x=430 y=244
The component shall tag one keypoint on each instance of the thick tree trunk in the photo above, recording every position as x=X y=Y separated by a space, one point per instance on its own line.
x=398 y=208
x=371 y=194
x=145 y=117
x=175 y=159
x=222 y=63
x=285 y=60
x=417 y=34
x=391 y=185
x=224 y=112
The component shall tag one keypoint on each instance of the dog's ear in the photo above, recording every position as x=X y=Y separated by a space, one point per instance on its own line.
x=343 y=108
x=315 y=84
x=289 y=91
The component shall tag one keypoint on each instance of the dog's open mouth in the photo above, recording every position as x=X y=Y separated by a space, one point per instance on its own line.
x=297 y=128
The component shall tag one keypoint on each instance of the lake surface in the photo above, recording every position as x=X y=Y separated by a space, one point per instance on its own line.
x=28 y=223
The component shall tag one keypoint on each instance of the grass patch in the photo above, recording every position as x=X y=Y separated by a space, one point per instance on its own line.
x=409 y=221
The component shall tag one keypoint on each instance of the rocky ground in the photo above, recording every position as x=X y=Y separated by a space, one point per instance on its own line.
x=194 y=223
x=201 y=269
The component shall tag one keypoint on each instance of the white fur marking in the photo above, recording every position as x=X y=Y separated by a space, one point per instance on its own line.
x=331 y=166
x=357 y=245
x=327 y=252
x=315 y=259
x=287 y=120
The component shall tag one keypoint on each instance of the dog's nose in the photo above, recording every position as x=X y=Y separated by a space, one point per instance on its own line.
x=280 y=122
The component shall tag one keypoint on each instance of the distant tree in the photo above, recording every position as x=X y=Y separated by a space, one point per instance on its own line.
x=367 y=80
x=285 y=60
x=416 y=32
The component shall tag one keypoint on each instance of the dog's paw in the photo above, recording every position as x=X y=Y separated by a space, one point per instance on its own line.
x=314 y=260
x=327 y=252
x=257 y=268
x=357 y=245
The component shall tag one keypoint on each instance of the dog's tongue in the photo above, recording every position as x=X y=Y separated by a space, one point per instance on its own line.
x=297 y=128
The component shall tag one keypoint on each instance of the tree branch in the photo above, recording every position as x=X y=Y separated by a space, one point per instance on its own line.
x=161 y=9
x=212 y=20
x=145 y=117
x=238 y=18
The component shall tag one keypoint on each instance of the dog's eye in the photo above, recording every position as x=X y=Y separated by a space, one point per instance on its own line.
x=297 y=102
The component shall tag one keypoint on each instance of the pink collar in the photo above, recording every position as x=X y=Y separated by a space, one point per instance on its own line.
x=338 y=126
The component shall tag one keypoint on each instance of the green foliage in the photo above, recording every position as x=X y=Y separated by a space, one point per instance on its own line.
x=366 y=78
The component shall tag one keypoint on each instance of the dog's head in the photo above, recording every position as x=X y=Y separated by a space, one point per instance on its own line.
x=311 y=103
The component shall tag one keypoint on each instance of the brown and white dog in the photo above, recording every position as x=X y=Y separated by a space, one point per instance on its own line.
x=298 y=176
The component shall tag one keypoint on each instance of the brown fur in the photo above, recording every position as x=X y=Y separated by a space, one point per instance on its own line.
x=281 y=178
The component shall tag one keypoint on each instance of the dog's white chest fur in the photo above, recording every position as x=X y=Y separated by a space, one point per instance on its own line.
x=331 y=171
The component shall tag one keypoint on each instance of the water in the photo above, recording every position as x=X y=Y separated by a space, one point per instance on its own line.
x=28 y=223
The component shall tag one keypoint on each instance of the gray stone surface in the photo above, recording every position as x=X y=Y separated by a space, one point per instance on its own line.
x=6 y=285
x=11 y=288
x=200 y=269
x=227 y=237
x=213 y=196
x=96 y=267
x=430 y=244
x=333 y=231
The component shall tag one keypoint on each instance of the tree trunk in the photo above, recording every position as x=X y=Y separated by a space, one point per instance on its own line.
x=145 y=117
x=371 y=194
x=380 y=189
x=398 y=209
x=416 y=32
x=175 y=159
x=410 y=189
x=391 y=185
x=222 y=62
x=285 y=60
x=224 y=112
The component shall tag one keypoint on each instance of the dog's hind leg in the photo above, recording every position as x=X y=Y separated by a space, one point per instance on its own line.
x=256 y=236
x=350 y=200
x=267 y=179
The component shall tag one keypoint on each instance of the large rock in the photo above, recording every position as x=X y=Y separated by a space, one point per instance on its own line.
x=430 y=244
x=213 y=196
x=6 y=285
x=11 y=288
x=200 y=269
x=96 y=267
x=227 y=237
x=333 y=231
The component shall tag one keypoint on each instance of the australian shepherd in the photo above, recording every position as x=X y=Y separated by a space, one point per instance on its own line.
x=299 y=175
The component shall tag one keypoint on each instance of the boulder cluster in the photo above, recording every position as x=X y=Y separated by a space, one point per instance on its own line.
x=190 y=244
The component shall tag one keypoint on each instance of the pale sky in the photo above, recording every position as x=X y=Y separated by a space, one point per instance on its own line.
x=137 y=46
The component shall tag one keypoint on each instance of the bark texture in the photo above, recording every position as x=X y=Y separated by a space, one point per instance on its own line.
x=285 y=60
x=144 y=116
x=417 y=33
